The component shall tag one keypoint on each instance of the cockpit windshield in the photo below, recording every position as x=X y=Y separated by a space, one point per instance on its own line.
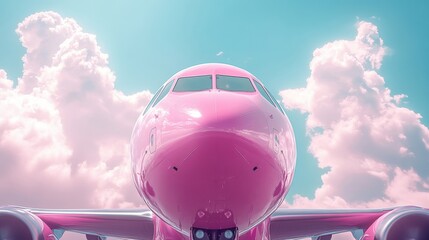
x=234 y=84
x=193 y=84
x=223 y=82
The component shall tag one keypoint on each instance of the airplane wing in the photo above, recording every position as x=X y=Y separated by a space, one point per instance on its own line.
x=402 y=223
x=95 y=224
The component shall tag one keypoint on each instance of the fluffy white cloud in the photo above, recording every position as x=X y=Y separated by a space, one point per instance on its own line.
x=64 y=129
x=375 y=149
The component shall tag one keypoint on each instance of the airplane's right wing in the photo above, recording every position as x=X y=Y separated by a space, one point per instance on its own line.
x=22 y=223
x=382 y=224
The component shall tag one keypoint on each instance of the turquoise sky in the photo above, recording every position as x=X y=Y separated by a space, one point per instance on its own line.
x=148 y=41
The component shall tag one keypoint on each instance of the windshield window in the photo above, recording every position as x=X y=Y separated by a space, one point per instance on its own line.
x=234 y=84
x=276 y=102
x=163 y=93
x=149 y=105
x=263 y=92
x=193 y=84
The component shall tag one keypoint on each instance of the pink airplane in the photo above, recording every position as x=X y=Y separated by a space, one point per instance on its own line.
x=213 y=156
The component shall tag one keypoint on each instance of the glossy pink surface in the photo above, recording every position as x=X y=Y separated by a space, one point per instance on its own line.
x=217 y=159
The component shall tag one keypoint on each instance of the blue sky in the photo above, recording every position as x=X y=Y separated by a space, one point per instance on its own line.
x=148 y=41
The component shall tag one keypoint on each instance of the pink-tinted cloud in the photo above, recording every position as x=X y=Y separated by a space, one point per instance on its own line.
x=375 y=149
x=64 y=129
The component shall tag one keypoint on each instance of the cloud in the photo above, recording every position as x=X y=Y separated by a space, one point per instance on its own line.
x=376 y=150
x=4 y=82
x=64 y=129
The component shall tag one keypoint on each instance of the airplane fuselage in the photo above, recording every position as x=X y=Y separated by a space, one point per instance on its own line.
x=212 y=152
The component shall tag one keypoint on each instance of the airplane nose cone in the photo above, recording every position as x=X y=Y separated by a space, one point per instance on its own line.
x=215 y=180
x=214 y=168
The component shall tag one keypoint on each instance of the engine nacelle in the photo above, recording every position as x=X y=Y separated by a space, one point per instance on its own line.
x=19 y=224
x=401 y=223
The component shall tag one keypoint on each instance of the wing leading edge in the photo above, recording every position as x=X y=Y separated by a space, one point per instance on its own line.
x=133 y=224
x=294 y=223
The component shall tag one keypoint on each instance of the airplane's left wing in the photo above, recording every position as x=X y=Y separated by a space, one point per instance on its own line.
x=28 y=223
x=398 y=223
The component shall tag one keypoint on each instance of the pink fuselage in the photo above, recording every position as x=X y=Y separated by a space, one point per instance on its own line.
x=213 y=159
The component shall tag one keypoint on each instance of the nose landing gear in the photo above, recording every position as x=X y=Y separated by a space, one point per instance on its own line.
x=210 y=234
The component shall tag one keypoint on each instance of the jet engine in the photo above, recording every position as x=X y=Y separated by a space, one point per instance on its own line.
x=401 y=223
x=19 y=224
